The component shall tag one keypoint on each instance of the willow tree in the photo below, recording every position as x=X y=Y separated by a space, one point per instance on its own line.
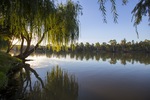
x=141 y=9
x=34 y=21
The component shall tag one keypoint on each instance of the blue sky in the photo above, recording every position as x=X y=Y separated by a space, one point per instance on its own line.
x=92 y=28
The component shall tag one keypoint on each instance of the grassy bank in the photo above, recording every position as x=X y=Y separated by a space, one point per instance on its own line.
x=7 y=62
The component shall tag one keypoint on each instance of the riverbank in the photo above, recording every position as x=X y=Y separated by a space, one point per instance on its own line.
x=7 y=64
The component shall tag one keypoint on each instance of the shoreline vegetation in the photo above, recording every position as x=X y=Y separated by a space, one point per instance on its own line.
x=111 y=47
x=14 y=72
x=8 y=66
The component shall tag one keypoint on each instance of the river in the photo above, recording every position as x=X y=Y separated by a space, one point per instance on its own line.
x=105 y=78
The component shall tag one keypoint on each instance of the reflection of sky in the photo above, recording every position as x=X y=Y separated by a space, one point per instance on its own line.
x=42 y=62
x=97 y=78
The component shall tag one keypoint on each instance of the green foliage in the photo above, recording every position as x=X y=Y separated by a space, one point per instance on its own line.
x=41 y=19
x=4 y=80
x=3 y=44
x=7 y=62
x=64 y=25
x=5 y=37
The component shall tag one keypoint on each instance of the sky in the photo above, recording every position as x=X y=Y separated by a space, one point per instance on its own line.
x=93 y=29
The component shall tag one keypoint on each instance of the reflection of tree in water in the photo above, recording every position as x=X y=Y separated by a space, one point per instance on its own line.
x=113 y=61
x=113 y=58
x=59 y=85
x=18 y=82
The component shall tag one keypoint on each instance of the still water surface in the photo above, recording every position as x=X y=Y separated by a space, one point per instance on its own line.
x=100 y=79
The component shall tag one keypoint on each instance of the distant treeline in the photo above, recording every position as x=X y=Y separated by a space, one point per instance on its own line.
x=112 y=46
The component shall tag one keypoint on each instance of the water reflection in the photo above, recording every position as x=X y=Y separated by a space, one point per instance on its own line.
x=58 y=85
x=13 y=89
x=98 y=80
x=112 y=58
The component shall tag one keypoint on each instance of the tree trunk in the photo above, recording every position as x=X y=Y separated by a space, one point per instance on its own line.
x=28 y=46
x=22 y=43
x=28 y=51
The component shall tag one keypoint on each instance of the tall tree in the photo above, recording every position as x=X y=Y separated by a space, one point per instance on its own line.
x=38 y=20
x=123 y=44
x=113 y=44
x=97 y=46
